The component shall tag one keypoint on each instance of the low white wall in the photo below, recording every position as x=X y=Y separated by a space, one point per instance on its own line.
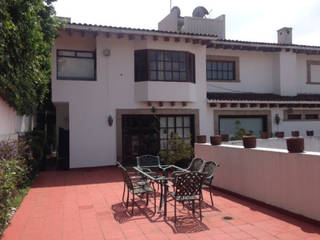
x=286 y=180
x=12 y=124
x=311 y=144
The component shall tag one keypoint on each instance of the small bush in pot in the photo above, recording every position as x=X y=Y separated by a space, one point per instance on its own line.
x=177 y=151
x=225 y=137
x=215 y=140
x=309 y=133
x=295 y=144
x=279 y=134
x=264 y=135
x=295 y=133
x=249 y=141
x=201 y=139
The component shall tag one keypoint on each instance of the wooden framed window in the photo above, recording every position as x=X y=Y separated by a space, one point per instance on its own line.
x=222 y=68
x=312 y=116
x=182 y=125
x=302 y=115
x=313 y=72
x=160 y=65
x=76 y=65
x=294 y=116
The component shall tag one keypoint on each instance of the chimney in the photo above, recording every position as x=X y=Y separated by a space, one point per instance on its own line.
x=285 y=35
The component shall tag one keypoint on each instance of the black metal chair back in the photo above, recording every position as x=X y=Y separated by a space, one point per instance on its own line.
x=188 y=184
x=126 y=178
x=209 y=170
x=148 y=160
x=196 y=165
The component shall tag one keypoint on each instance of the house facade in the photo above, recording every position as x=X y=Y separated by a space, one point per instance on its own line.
x=122 y=92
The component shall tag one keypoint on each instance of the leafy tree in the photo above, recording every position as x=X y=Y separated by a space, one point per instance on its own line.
x=27 y=31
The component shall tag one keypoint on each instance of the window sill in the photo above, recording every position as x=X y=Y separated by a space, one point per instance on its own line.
x=165 y=81
x=314 y=83
x=76 y=79
x=227 y=81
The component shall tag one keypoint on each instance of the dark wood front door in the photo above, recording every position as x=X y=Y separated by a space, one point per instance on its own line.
x=149 y=134
x=140 y=136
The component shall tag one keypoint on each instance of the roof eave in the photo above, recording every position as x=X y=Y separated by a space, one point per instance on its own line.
x=260 y=101
x=136 y=31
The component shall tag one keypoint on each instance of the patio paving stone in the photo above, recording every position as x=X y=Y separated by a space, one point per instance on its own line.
x=85 y=204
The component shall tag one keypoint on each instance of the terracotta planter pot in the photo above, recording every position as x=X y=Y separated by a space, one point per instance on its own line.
x=249 y=141
x=225 y=137
x=279 y=134
x=264 y=135
x=201 y=139
x=295 y=145
x=295 y=133
x=309 y=133
x=215 y=140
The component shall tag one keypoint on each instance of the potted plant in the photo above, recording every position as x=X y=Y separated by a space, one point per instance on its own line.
x=215 y=140
x=225 y=137
x=178 y=152
x=279 y=134
x=295 y=144
x=201 y=139
x=309 y=133
x=264 y=135
x=249 y=141
x=277 y=119
x=295 y=133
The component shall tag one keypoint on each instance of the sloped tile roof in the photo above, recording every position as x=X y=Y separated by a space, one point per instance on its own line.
x=263 y=97
x=140 y=30
x=266 y=43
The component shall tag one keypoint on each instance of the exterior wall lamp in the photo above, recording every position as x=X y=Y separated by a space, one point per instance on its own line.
x=110 y=120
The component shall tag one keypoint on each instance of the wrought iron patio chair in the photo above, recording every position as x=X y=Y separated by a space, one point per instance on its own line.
x=134 y=176
x=209 y=171
x=196 y=165
x=145 y=161
x=136 y=188
x=187 y=188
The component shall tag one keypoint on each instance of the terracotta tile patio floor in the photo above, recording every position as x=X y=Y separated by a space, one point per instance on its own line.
x=86 y=205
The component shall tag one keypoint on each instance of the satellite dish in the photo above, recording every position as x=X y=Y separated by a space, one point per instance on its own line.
x=200 y=12
x=176 y=10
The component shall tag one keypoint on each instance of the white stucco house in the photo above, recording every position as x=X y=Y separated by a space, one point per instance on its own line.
x=121 y=92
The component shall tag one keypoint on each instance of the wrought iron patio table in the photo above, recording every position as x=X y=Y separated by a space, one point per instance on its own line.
x=162 y=180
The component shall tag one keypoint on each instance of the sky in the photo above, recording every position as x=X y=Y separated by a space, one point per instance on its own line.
x=249 y=20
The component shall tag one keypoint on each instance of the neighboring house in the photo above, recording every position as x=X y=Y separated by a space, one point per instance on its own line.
x=121 y=92
x=12 y=124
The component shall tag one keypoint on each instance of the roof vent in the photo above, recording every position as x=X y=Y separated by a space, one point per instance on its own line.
x=200 y=12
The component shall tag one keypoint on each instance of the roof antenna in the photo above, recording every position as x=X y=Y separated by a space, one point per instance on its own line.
x=170 y=5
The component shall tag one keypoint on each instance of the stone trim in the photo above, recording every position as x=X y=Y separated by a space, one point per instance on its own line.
x=235 y=59
x=217 y=113
x=309 y=64
x=120 y=112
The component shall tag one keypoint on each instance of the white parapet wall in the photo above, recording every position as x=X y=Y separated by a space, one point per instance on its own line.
x=311 y=144
x=286 y=180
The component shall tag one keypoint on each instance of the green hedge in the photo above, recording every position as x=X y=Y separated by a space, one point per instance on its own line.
x=20 y=161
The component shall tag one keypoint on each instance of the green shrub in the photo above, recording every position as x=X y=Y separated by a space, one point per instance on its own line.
x=177 y=150
x=14 y=174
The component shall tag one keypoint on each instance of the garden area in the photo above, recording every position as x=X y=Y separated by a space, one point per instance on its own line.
x=20 y=162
